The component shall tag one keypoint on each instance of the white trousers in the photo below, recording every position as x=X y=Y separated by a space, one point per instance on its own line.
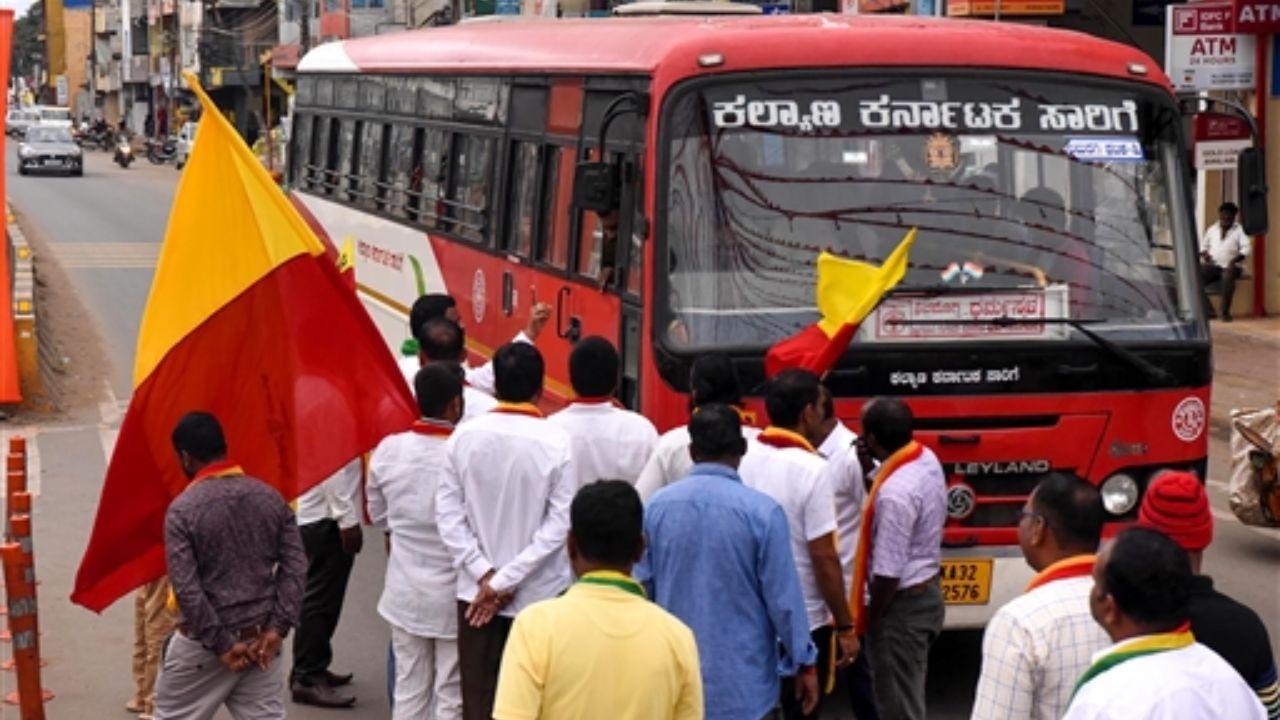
x=428 y=684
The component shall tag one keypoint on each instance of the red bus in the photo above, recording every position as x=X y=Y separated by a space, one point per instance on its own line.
x=1050 y=318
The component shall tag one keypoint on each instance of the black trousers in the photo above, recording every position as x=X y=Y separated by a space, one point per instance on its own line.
x=479 y=659
x=857 y=679
x=328 y=569
x=1210 y=272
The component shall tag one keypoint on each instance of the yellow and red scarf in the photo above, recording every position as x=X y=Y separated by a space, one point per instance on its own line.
x=422 y=427
x=1137 y=647
x=1075 y=566
x=783 y=438
x=857 y=593
x=510 y=408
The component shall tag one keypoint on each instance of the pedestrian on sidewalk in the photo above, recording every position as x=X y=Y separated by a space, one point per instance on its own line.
x=786 y=467
x=1038 y=644
x=609 y=441
x=238 y=568
x=153 y=622
x=601 y=650
x=1156 y=669
x=418 y=597
x=1223 y=249
x=712 y=379
x=503 y=512
x=329 y=522
x=719 y=558
x=899 y=555
x=1177 y=505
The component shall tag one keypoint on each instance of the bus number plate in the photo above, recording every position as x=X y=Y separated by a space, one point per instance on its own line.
x=966 y=582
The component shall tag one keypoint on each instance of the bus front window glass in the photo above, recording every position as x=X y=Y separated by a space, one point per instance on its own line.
x=1032 y=199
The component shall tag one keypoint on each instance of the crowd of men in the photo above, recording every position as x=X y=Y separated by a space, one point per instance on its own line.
x=579 y=565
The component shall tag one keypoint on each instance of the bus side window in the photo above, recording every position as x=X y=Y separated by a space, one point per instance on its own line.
x=366 y=188
x=300 y=155
x=635 y=252
x=354 y=157
x=522 y=199
x=430 y=175
x=557 y=193
x=332 y=156
x=469 y=185
x=319 y=154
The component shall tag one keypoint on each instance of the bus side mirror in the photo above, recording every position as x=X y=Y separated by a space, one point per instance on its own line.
x=1252 y=174
x=595 y=187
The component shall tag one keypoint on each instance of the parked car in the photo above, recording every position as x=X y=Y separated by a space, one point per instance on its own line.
x=19 y=119
x=186 y=141
x=49 y=149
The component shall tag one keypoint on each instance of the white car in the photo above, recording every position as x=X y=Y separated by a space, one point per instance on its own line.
x=54 y=116
x=186 y=141
x=19 y=120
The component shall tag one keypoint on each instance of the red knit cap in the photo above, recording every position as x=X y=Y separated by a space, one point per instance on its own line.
x=1176 y=504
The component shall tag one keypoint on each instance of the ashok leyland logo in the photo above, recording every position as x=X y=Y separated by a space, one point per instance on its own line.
x=961 y=501
x=1188 y=419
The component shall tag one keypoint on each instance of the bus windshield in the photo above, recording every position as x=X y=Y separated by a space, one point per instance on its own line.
x=1034 y=199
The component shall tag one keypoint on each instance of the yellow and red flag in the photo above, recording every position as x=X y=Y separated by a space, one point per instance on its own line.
x=847 y=291
x=247 y=319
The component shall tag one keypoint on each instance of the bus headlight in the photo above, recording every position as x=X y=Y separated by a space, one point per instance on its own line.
x=1119 y=494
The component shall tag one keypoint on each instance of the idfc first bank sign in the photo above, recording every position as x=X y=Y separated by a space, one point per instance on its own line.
x=1255 y=17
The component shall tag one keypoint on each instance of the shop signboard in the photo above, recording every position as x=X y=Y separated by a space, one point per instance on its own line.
x=1203 y=53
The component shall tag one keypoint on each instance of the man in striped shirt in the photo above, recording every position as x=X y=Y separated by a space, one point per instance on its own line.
x=1039 y=644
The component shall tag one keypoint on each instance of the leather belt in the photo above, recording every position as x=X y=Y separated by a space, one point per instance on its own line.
x=247 y=634
x=919 y=588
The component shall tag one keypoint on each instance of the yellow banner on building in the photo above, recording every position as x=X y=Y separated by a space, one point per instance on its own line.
x=987 y=8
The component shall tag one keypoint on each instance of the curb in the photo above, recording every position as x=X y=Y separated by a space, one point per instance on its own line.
x=24 y=307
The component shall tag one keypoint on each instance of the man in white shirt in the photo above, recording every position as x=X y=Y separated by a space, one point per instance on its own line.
x=503 y=512
x=1223 y=250
x=1156 y=669
x=329 y=522
x=786 y=467
x=1039 y=644
x=444 y=340
x=712 y=379
x=439 y=305
x=418 y=599
x=838 y=444
x=609 y=441
x=898 y=556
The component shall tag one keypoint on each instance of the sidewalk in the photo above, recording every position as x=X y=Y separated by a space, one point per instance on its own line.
x=1246 y=368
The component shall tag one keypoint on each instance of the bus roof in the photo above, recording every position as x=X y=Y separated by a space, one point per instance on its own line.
x=661 y=45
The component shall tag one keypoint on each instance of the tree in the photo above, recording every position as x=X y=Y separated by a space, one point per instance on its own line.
x=28 y=43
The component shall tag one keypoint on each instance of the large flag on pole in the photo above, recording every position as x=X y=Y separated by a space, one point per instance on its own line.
x=847 y=291
x=247 y=319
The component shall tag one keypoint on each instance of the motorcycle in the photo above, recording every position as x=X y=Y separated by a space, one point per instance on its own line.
x=160 y=151
x=124 y=153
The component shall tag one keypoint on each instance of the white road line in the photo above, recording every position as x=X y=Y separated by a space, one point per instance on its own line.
x=109 y=407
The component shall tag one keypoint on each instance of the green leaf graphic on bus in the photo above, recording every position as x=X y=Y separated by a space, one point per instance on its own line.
x=418 y=276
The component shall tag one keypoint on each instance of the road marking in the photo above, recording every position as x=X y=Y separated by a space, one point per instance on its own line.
x=107 y=255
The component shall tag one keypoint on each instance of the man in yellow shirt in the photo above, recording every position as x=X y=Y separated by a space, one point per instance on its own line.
x=602 y=649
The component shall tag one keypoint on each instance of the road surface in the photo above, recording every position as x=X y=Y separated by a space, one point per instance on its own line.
x=105 y=229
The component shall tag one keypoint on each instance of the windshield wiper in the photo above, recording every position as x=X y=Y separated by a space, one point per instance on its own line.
x=1146 y=367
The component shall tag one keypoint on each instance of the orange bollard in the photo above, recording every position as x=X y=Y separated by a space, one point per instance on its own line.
x=20 y=504
x=29 y=697
x=15 y=482
x=18 y=445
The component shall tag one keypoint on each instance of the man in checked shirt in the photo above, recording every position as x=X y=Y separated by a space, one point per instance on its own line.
x=237 y=567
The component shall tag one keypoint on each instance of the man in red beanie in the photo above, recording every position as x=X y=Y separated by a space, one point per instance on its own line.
x=1176 y=504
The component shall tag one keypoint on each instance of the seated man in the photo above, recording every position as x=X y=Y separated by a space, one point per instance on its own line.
x=1222 y=252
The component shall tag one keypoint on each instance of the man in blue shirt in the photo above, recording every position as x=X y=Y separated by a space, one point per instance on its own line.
x=719 y=558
